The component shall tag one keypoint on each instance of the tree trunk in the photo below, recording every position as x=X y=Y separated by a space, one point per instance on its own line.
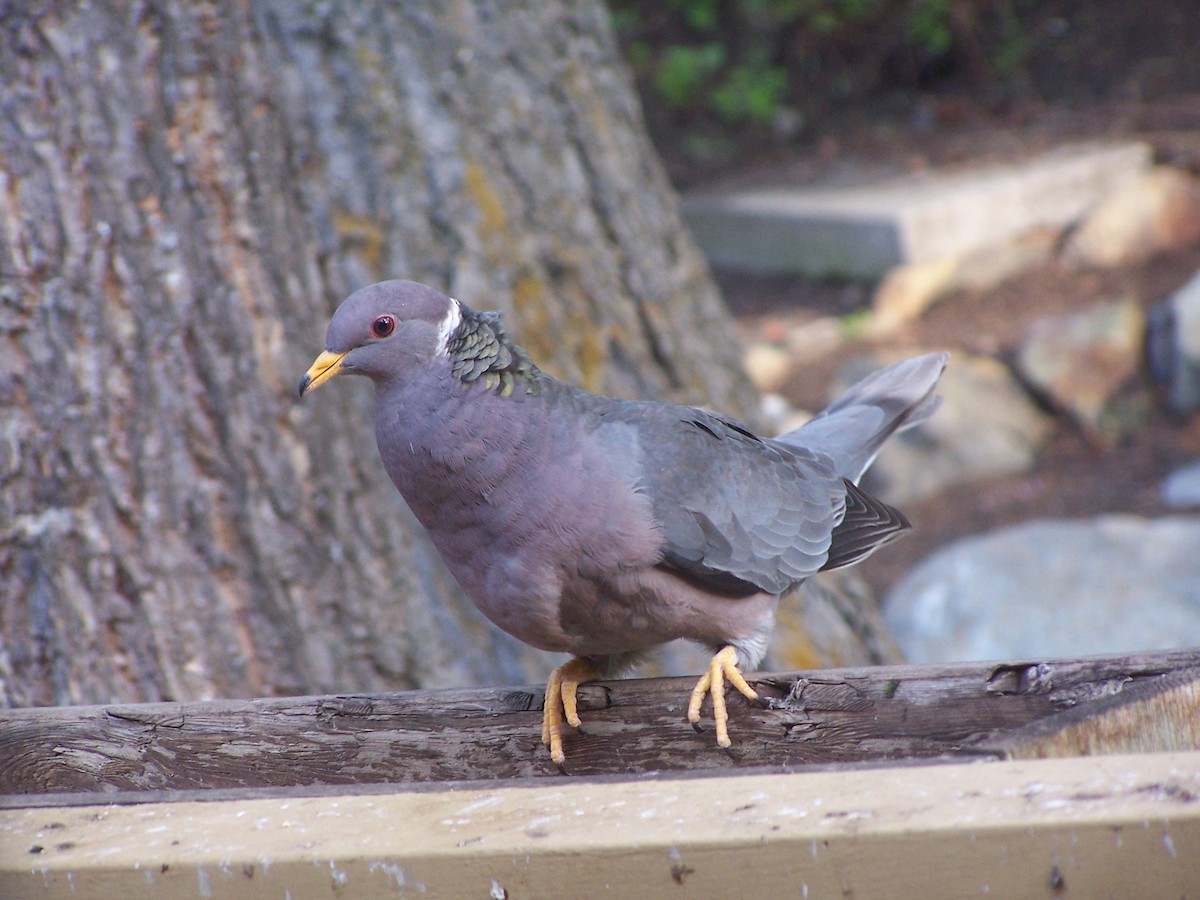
x=187 y=190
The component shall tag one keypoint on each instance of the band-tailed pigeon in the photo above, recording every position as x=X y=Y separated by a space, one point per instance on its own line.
x=601 y=527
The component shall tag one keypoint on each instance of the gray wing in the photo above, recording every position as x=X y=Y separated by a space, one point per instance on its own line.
x=739 y=514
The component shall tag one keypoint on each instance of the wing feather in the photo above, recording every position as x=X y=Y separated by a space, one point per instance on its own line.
x=738 y=514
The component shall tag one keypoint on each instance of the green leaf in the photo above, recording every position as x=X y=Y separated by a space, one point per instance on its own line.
x=683 y=70
x=751 y=92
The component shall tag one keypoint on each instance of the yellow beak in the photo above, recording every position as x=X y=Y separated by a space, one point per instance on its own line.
x=323 y=368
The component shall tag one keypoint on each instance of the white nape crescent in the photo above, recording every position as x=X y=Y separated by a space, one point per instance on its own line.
x=447 y=326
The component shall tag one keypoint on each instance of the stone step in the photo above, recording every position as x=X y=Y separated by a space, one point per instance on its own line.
x=865 y=230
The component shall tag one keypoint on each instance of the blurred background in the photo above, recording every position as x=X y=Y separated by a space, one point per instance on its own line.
x=1015 y=182
x=743 y=204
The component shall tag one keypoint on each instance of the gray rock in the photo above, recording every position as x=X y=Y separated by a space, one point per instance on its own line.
x=768 y=365
x=987 y=426
x=816 y=338
x=1054 y=588
x=1158 y=211
x=1087 y=362
x=1174 y=346
x=908 y=290
x=1181 y=489
x=864 y=230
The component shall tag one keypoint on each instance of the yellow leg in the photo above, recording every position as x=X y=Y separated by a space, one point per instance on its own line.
x=560 y=699
x=722 y=667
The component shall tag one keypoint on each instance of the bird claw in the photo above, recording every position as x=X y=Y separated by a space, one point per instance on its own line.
x=561 y=703
x=723 y=667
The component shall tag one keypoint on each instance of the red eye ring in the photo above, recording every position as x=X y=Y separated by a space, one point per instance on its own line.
x=383 y=326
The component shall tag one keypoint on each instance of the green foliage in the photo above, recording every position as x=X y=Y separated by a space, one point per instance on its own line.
x=700 y=15
x=682 y=70
x=929 y=26
x=730 y=63
x=753 y=91
x=1014 y=44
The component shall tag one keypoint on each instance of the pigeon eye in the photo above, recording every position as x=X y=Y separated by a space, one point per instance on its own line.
x=383 y=326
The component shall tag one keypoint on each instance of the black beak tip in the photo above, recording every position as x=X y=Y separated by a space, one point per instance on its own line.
x=304 y=383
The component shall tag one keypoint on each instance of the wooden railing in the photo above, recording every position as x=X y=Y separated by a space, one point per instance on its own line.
x=868 y=780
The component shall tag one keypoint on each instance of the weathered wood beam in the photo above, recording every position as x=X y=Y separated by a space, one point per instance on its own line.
x=829 y=718
x=1151 y=716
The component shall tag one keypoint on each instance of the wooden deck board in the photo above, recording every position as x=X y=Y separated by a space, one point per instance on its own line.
x=1113 y=826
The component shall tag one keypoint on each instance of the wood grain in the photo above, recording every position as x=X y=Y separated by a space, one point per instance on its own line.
x=825 y=719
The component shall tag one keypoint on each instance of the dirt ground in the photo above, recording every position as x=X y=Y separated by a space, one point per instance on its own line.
x=1074 y=476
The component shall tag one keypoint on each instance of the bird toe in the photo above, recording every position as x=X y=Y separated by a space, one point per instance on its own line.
x=722 y=669
x=561 y=703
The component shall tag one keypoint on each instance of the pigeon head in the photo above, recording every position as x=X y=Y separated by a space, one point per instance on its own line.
x=396 y=327
x=383 y=331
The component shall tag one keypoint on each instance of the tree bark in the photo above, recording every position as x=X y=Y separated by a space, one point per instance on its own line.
x=187 y=190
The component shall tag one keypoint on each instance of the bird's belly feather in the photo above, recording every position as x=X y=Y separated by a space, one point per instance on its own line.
x=559 y=549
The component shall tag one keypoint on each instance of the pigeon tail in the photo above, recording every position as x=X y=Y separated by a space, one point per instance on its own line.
x=854 y=427
x=868 y=525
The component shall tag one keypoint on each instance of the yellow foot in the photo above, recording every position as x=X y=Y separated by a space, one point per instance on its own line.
x=560 y=699
x=723 y=666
